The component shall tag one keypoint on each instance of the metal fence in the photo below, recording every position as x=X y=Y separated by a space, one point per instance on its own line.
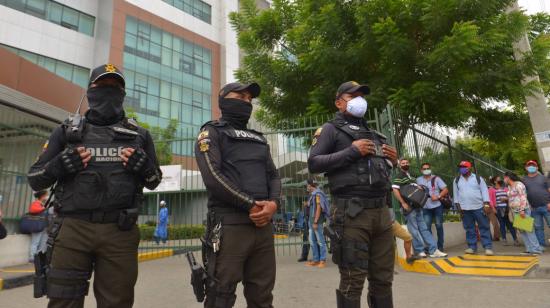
x=23 y=135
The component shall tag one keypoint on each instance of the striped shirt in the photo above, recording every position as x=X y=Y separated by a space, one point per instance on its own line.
x=501 y=194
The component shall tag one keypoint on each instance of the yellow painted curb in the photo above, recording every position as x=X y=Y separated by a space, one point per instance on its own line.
x=153 y=255
x=1 y=284
x=280 y=236
x=420 y=266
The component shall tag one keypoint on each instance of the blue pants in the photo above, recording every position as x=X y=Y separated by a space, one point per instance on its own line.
x=435 y=214
x=540 y=214
x=504 y=223
x=417 y=228
x=529 y=238
x=471 y=217
x=317 y=242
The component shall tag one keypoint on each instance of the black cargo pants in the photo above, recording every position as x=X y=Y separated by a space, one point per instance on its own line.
x=82 y=247
x=370 y=235
x=247 y=254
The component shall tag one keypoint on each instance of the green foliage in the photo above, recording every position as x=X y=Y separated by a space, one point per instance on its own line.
x=444 y=62
x=162 y=137
x=175 y=232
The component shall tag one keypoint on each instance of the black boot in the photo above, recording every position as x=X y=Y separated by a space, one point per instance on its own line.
x=305 y=252
x=381 y=301
x=343 y=302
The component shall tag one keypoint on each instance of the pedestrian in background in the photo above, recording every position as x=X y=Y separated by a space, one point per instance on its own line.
x=471 y=197
x=498 y=197
x=161 y=231
x=492 y=215
x=422 y=238
x=538 y=194
x=517 y=198
x=316 y=220
x=433 y=210
x=38 y=239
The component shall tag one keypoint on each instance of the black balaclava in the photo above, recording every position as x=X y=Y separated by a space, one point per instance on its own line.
x=235 y=111
x=105 y=104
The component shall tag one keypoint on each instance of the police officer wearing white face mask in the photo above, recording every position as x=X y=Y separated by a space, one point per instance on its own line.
x=357 y=162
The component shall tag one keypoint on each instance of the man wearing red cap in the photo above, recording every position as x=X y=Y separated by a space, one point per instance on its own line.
x=538 y=194
x=471 y=197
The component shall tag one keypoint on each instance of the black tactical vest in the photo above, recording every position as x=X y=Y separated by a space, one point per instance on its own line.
x=245 y=155
x=370 y=174
x=104 y=184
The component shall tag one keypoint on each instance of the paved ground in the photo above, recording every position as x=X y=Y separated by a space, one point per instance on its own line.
x=165 y=283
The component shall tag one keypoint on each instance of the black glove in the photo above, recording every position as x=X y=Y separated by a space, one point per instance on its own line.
x=137 y=161
x=71 y=160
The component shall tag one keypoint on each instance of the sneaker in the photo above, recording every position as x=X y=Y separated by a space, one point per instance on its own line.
x=321 y=264
x=302 y=260
x=525 y=253
x=536 y=253
x=438 y=254
x=411 y=259
x=312 y=263
x=470 y=251
x=489 y=252
x=422 y=255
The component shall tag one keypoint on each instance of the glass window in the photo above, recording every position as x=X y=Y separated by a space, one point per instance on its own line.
x=131 y=25
x=130 y=40
x=166 y=40
x=36 y=8
x=80 y=76
x=166 y=58
x=69 y=19
x=175 y=110
x=154 y=86
x=186 y=113
x=176 y=93
x=164 y=111
x=86 y=24
x=165 y=89
x=156 y=35
x=64 y=70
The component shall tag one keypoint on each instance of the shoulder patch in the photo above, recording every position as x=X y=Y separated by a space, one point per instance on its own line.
x=45 y=146
x=318 y=132
x=204 y=145
x=202 y=135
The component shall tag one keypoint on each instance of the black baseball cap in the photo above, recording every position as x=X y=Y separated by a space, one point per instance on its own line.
x=351 y=87
x=253 y=88
x=106 y=70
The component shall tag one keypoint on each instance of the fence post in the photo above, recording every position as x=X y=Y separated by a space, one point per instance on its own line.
x=450 y=149
x=416 y=146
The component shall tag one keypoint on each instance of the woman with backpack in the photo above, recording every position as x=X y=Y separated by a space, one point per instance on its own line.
x=517 y=199
x=38 y=239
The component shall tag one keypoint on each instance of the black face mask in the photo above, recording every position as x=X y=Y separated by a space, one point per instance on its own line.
x=405 y=168
x=105 y=104
x=235 y=111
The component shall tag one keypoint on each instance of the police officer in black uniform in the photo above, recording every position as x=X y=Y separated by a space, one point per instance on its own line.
x=243 y=193
x=99 y=164
x=357 y=162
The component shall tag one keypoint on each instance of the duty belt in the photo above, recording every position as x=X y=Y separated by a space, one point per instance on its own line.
x=365 y=203
x=97 y=217
x=229 y=216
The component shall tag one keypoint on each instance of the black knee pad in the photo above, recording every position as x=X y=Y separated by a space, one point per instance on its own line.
x=67 y=284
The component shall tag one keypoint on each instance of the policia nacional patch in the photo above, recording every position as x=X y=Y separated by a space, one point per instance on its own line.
x=316 y=135
x=203 y=141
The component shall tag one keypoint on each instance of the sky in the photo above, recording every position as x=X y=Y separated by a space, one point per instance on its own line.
x=534 y=6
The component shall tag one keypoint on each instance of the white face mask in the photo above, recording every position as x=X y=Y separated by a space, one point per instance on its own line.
x=427 y=172
x=357 y=107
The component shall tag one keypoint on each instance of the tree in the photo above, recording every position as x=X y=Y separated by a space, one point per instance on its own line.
x=162 y=137
x=443 y=62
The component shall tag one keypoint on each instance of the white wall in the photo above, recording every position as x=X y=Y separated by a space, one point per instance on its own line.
x=40 y=36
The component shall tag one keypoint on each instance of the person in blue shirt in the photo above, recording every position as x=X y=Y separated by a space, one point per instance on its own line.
x=471 y=197
x=433 y=210
x=316 y=220
x=161 y=231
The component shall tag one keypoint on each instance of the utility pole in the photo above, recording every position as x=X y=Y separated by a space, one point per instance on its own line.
x=536 y=103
